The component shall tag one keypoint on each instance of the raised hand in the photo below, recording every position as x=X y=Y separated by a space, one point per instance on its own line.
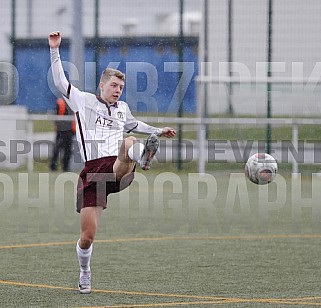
x=54 y=39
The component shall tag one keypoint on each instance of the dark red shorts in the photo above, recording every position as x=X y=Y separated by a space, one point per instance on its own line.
x=97 y=181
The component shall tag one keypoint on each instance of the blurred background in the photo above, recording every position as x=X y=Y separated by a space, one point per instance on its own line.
x=111 y=34
x=203 y=65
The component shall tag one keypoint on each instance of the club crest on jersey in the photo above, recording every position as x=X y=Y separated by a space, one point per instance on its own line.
x=120 y=115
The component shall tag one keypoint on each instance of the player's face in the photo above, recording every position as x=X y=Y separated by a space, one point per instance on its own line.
x=112 y=89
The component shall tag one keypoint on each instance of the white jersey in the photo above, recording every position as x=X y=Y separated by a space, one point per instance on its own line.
x=100 y=125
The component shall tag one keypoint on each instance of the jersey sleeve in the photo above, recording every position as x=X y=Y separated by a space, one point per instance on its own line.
x=136 y=126
x=58 y=73
x=73 y=96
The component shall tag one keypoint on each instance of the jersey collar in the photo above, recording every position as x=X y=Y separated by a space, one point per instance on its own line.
x=107 y=104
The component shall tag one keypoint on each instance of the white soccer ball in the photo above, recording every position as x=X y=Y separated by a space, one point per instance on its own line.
x=261 y=168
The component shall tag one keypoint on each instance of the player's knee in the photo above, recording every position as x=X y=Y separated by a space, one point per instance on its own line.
x=129 y=141
x=86 y=240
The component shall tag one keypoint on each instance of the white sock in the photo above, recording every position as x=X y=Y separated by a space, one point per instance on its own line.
x=84 y=256
x=135 y=151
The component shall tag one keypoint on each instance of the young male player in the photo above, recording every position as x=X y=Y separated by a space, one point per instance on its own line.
x=101 y=122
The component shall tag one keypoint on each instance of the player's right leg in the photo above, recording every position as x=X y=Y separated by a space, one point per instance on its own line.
x=89 y=217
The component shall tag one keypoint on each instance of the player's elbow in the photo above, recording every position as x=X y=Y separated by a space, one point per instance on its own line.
x=60 y=85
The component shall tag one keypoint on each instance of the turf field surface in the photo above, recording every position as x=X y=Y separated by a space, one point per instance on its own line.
x=170 y=240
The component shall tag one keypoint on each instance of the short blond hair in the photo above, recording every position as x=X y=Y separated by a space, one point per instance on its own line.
x=109 y=72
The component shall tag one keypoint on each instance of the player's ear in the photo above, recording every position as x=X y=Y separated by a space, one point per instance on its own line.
x=101 y=86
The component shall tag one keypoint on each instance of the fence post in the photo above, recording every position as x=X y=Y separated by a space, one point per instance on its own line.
x=201 y=128
x=180 y=93
x=30 y=138
x=269 y=74
x=295 y=141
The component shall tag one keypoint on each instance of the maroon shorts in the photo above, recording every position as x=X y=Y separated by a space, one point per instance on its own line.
x=97 y=181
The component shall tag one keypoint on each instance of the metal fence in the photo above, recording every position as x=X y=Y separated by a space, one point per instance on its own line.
x=258 y=39
x=95 y=32
x=201 y=150
x=248 y=37
x=237 y=44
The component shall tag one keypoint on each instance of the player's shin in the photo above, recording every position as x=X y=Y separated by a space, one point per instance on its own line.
x=84 y=256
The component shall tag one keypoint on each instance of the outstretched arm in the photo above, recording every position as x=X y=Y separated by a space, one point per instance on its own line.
x=142 y=127
x=58 y=74
x=133 y=125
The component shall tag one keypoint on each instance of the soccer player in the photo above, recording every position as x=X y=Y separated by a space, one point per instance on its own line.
x=109 y=168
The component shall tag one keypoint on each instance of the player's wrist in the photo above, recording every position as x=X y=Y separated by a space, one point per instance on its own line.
x=54 y=53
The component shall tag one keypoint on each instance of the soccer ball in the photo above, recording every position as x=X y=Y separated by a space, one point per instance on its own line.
x=261 y=168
